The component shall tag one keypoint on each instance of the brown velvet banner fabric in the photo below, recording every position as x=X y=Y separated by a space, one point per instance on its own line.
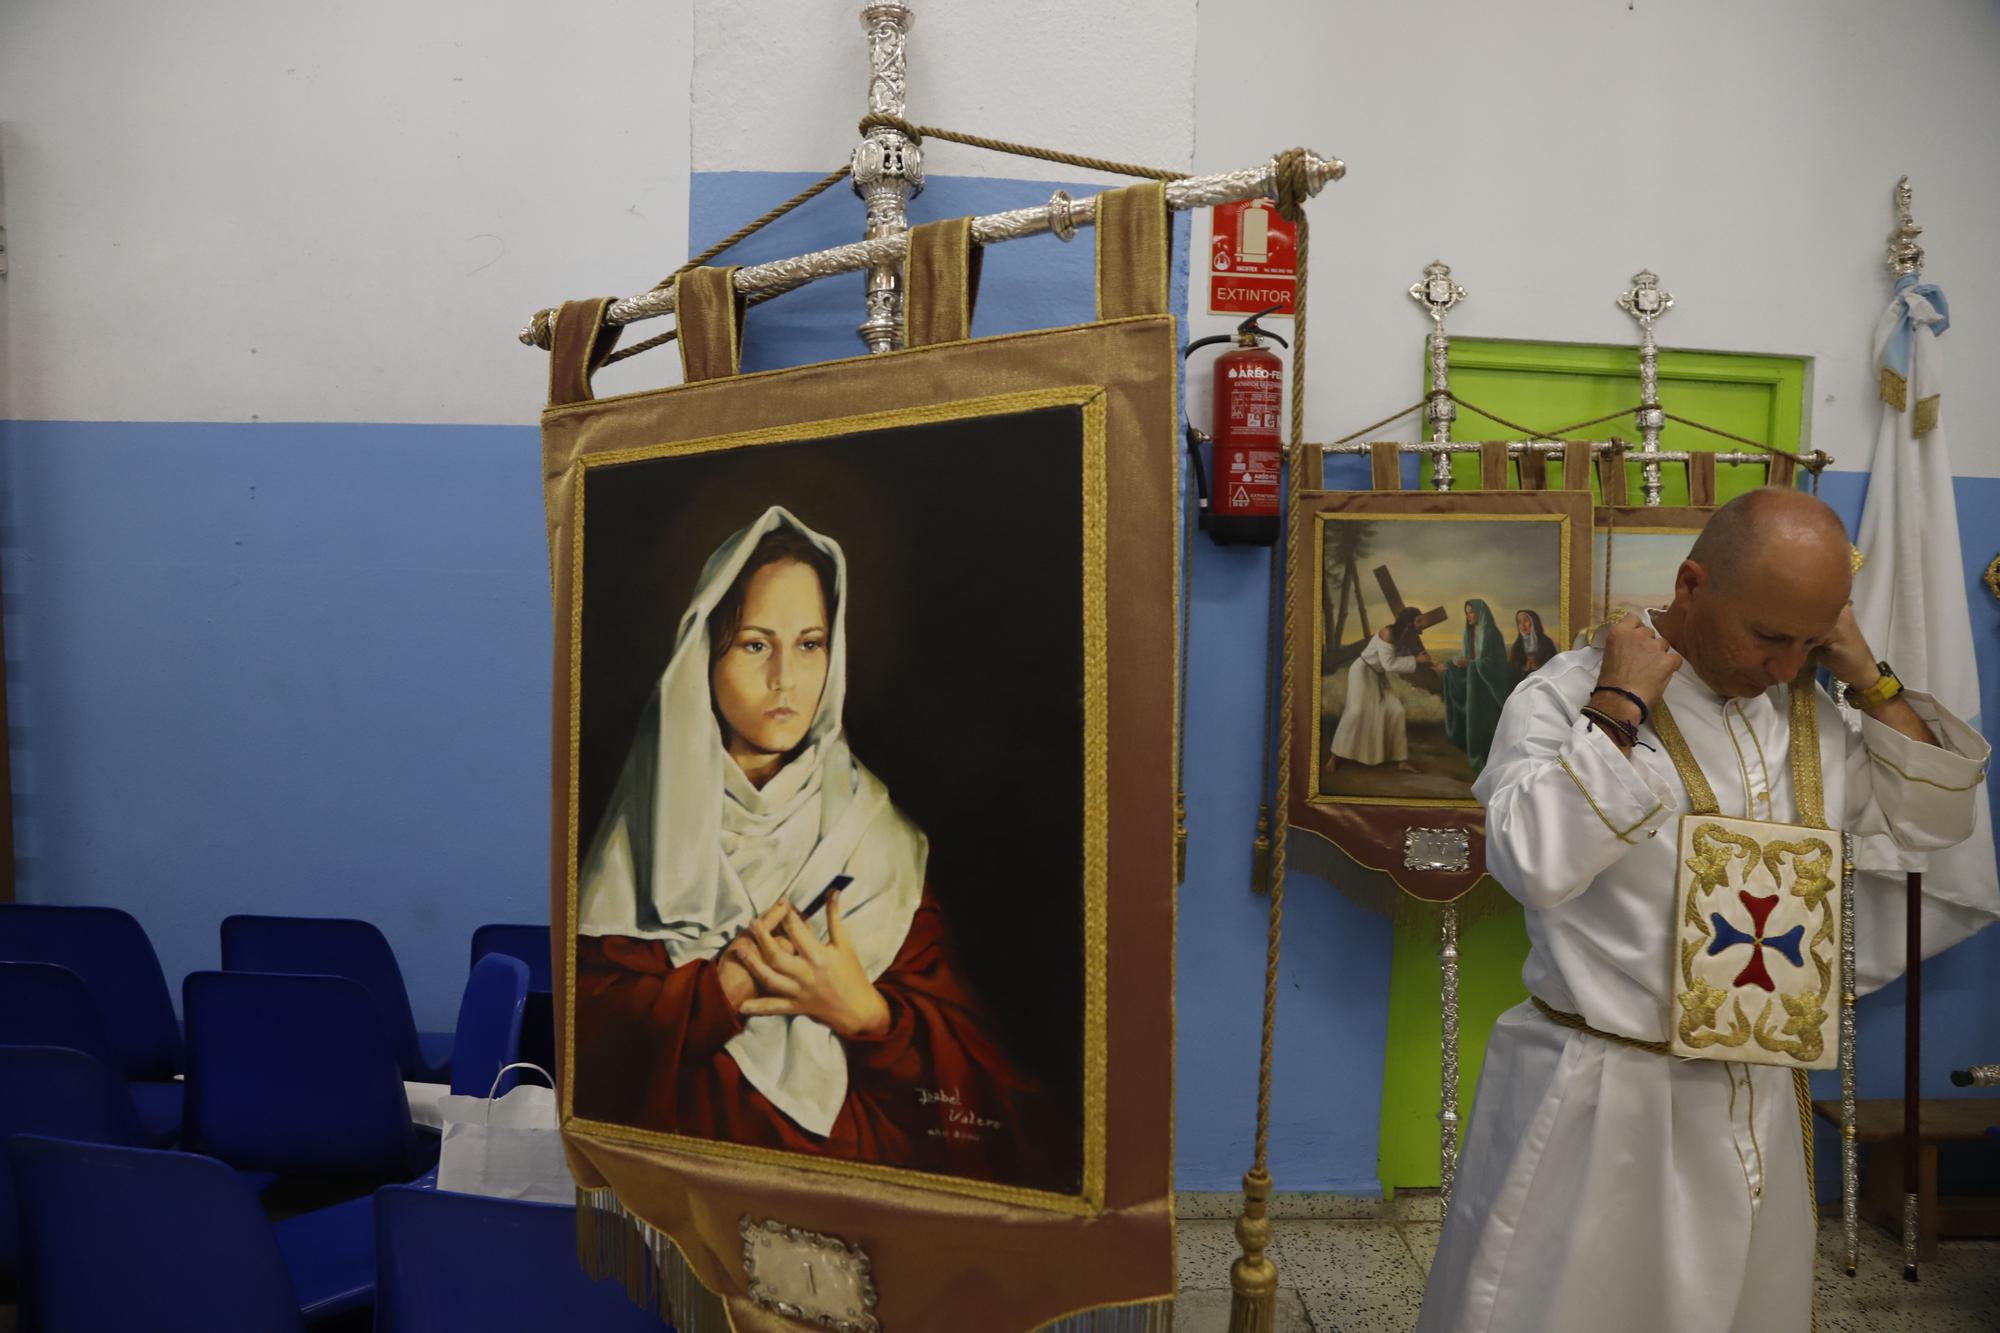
x=1701 y=478
x=1493 y=465
x=709 y=314
x=1385 y=465
x=941 y=283
x=970 y=1249
x=1388 y=761
x=1782 y=470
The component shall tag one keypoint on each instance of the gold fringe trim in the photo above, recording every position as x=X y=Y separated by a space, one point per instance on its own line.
x=611 y=1243
x=1893 y=389
x=1143 y=1317
x=1927 y=415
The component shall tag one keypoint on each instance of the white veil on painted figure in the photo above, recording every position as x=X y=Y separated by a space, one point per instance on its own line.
x=688 y=852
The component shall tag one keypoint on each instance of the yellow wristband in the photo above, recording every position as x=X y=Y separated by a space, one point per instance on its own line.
x=1885 y=688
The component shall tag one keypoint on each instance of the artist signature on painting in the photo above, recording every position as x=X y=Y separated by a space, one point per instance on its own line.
x=961 y=1123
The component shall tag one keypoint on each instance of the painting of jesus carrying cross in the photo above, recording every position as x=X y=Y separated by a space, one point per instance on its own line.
x=1430 y=610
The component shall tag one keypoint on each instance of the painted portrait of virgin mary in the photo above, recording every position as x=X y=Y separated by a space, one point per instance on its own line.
x=760 y=959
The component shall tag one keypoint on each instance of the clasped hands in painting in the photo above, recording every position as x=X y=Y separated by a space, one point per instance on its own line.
x=780 y=966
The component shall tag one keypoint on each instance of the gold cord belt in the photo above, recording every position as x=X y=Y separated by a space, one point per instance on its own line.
x=1555 y=1015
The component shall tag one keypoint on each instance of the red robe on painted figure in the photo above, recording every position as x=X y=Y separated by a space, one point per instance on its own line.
x=935 y=1092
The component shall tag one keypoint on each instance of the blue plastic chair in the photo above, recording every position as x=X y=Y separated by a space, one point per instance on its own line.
x=530 y=944
x=57 y=1090
x=464 y=1261
x=128 y=1238
x=338 y=947
x=295 y=1074
x=109 y=950
x=44 y=1004
x=489 y=1025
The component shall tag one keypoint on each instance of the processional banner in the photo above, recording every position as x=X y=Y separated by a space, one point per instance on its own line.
x=1427 y=610
x=847 y=813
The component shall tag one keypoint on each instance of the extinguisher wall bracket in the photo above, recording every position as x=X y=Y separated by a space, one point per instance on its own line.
x=1195 y=440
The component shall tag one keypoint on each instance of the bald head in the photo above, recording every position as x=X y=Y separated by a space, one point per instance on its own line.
x=1776 y=528
x=1760 y=591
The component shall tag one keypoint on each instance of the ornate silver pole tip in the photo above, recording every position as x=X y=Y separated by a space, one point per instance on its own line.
x=1435 y=291
x=1905 y=255
x=1646 y=301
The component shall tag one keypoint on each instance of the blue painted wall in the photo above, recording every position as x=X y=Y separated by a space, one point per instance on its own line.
x=285 y=668
x=304 y=668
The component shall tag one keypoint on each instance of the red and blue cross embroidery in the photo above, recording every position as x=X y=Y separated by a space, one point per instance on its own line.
x=1727 y=936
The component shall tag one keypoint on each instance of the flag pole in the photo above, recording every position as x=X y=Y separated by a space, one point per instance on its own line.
x=1907 y=257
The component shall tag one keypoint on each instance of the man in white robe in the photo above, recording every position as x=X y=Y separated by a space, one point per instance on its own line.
x=1607 y=1186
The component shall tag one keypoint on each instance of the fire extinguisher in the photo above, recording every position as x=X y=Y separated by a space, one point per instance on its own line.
x=1240 y=507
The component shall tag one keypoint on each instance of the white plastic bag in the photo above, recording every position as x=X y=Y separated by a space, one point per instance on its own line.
x=507 y=1147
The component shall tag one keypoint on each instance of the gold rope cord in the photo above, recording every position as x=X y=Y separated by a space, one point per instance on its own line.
x=1576 y=1023
x=1253 y=1278
x=919 y=133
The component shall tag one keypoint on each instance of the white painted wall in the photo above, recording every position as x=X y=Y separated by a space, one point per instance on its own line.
x=229 y=210
x=780 y=84
x=1549 y=149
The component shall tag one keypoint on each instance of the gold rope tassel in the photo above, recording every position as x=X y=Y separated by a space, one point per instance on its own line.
x=1253 y=1279
x=611 y=1243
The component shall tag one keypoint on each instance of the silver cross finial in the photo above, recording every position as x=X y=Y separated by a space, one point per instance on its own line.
x=1646 y=301
x=1436 y=292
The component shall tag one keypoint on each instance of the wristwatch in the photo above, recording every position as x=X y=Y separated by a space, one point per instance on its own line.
x=1882 y=691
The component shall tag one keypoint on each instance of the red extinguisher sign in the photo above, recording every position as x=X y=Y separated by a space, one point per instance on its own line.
x=1252 y=259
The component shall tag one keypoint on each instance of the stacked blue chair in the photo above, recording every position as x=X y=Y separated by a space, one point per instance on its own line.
x=335 y=946
x=296 y=1075
x=452 y=1261
x=58 y=1090
x=489 y=1025
x=44 y=1004
x=130 y=1238
x=530 y=944
x=109 y=950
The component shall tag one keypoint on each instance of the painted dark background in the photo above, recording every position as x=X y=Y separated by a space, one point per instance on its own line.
x=964 y=665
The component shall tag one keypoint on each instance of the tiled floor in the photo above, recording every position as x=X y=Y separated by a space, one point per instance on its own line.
x=1365 y=1274
x=1357 y=1266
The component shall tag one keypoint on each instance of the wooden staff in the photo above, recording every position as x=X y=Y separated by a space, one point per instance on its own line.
x=1912 y=1028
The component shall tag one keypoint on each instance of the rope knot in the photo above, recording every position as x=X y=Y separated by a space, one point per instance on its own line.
x=1292 y=183
x=883 y=120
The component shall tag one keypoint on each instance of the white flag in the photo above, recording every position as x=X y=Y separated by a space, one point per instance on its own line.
x=1910 y=601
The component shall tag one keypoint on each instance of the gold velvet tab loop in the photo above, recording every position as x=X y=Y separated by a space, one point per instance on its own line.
x=1701 y=478
x=1783 y=470
x=1534 y=470
x=1576 y=466
x=1493 y=465
x=1132 y=251
x=578 y=344
x=709 y=314
x=1385 y=465
x=1611 y=474
x=940 y=283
